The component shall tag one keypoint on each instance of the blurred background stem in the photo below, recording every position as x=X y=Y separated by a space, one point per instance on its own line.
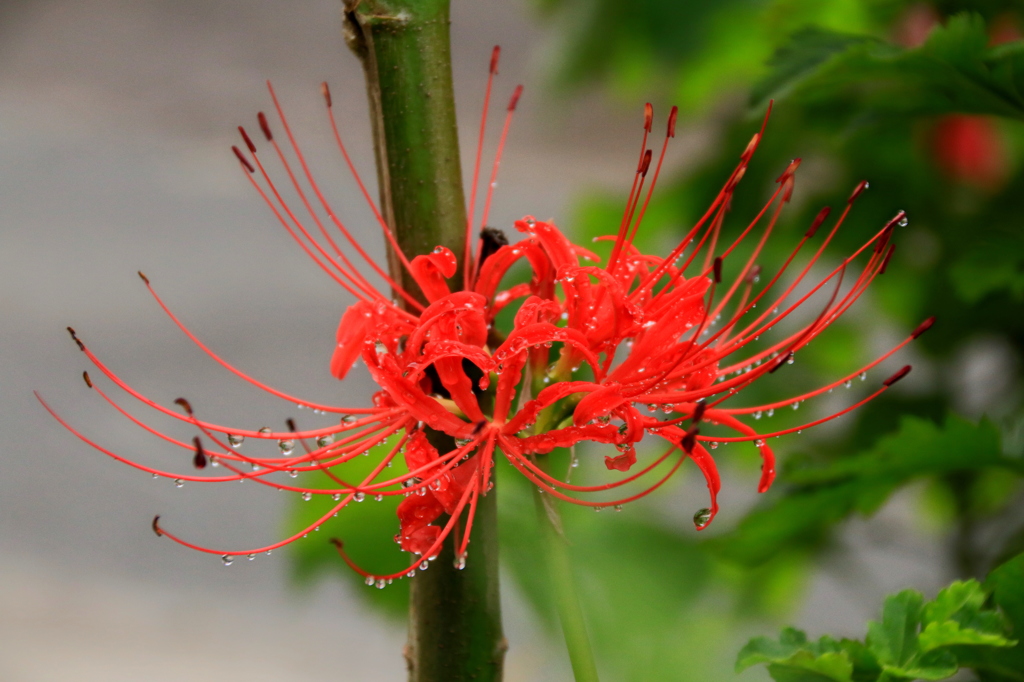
x=563 y=585
x=455 y=630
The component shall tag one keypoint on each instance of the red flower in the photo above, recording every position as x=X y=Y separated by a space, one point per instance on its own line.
x=590 y=345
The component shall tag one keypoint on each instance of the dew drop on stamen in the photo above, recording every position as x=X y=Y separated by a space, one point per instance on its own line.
x=287 y=446
x=293 y=473
x=757 y=415
x=156 y=476
x=796 y=405
x=307 y=496
x=359 y=497
x=863 y=376
x=424 y=565
x=847 y=383
x=771 y=413
x=460 y=562
x=370 y=580
x=702 y=518
x=324 y=441
x=235 y=440
x=378 y=498
x=178 y=483
x=618 y=507
x=227 y=559
x=381 y=584
x=265 y=431
x=251 y=557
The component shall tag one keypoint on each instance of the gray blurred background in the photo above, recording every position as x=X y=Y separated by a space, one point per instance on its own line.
x=116 y=119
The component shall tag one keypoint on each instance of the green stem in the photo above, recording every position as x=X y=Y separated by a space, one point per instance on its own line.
x=563 y=583
x=455 y=631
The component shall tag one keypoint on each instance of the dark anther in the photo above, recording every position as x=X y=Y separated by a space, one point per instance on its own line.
x=81 y=346
x=515 y=98
x=199 y=461
x=184 y=404
x=88 y=381
x=241 y=157
x=648 y=116
x=338 y=544
x=861 y=186
x=698 y=411
x=673 y=115
x=888 y=255
x=247 y=139
x=291 y=424
x=690 y=439
x=782 y=361
x=646 y=163
x=897 y=376
x=326 y=92
x=883 y=239
x=143 y=277
x=717 y=269
x=479 y=426
x=156 y=526
x=818 y=220
x=493 y=239
x=495 y=55
x=264 y=126
x=923 y=327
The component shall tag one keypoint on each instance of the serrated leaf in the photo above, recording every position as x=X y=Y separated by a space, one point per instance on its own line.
x=768 y=650
x=893 y=640
x=949 y=633
x=936 y=665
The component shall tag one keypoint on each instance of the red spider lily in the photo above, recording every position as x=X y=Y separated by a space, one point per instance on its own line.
x=649 y=330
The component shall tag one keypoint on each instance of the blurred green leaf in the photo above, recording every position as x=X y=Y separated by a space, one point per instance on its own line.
x=366 y=528
x=954 y=70
x=816 y=498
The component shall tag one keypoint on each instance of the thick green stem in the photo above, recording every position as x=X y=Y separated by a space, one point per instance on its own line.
x=563 y=585
x=406 y=54
x=455 y=631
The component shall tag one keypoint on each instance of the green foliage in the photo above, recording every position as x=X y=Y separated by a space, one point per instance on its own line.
x=913 y=640
x=366 y=528
x=817 y=498
x=953 y=71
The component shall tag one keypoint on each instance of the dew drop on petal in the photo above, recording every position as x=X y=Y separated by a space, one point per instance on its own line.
x=702 y=518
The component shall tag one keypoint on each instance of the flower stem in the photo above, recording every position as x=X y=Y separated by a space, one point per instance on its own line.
x=455 y=632
x=567 y=600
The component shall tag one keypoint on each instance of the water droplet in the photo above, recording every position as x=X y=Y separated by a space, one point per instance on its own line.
x=359 y=497
x=292 y=473
x=847 y=383
x=251 y=557
x=156 y=476
x=378 y=498
x=265 y=431
x=381 y=584
x=460 y=562
x=286 y=445
x=618 y=507
x=324 y=441
x=796 y=405
x=178 y=483
x=714 y=445
x=370 y=580
x=759 y=443
x=307 y=496
x=771 y=413
x=702 y=518
x=903 y=222
x=863 y=376
x=234 y=440
x=757 y=415
x=424 y=565
x=227 y=559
